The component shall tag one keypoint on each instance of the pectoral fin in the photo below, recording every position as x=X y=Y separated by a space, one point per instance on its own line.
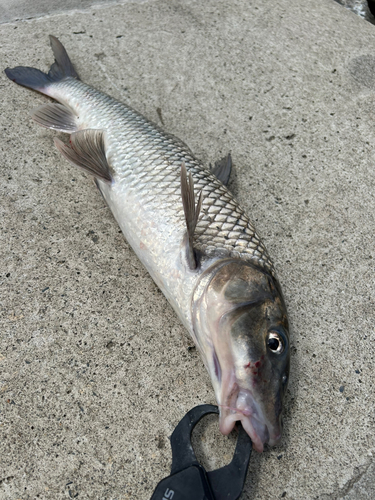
x=55 y=116
x=86 y=150
x=191 y=213
x=222 y=169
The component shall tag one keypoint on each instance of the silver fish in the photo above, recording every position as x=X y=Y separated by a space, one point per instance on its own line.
x=206 y=257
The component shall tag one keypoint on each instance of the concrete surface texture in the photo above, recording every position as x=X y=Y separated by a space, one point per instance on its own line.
x=95 y=370
x=18 y=10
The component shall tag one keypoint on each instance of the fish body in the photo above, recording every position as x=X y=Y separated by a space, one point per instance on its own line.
x=217 y=275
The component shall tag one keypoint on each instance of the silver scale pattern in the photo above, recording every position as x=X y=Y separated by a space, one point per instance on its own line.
x=149 y=161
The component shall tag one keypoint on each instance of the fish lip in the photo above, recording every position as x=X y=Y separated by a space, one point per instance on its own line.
x=242 y=405
x=254 y=427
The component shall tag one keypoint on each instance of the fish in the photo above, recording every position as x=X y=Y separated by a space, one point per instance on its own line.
x=192 y=236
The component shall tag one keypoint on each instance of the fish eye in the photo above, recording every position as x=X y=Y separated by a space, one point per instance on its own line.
x=275 y=342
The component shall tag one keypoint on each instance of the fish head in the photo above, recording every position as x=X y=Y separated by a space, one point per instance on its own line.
x=241 y=328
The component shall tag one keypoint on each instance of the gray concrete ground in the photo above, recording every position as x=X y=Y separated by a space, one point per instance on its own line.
x=18 y=10
x=95 y=370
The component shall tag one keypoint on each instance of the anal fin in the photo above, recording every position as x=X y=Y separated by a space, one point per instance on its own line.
x=55 y=116
x=86 y=150
x=191 y=213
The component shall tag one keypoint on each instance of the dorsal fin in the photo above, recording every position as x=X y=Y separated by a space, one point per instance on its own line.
x=86 y=150
x=222 y=169
x=191 y=213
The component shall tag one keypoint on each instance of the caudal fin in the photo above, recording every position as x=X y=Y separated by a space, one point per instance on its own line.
x=36 y=79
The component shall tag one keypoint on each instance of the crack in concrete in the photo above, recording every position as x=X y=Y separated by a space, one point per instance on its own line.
x=351 y=483
x=359 y=473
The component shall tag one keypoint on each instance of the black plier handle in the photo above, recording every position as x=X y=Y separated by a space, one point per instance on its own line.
x=188 y=479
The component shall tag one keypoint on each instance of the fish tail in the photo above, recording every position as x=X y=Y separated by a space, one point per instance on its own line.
x=37 y=80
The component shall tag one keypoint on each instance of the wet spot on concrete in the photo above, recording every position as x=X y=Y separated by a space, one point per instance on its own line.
x=362 y=70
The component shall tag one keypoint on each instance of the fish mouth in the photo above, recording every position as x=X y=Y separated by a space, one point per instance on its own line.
x=247 y=411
